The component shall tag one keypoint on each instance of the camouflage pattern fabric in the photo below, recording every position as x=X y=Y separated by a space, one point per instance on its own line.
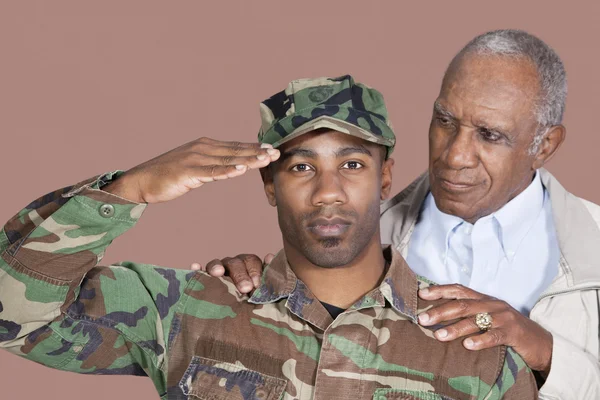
x=196 y=337
x=332 y=103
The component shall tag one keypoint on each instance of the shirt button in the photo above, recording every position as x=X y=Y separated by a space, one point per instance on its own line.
x=465 y=268
x=468 y=230
x=107 y=210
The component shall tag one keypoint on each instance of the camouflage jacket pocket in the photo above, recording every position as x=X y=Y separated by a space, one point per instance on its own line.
x=401 y=394
x=214 y=380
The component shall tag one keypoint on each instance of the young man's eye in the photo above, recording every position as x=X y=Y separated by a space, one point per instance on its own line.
x=352 y=165
x=301 y=168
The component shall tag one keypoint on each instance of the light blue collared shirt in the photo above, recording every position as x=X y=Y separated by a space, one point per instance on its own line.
x=511 y=254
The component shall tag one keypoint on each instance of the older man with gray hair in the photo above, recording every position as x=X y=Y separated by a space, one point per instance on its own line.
x=512 y=249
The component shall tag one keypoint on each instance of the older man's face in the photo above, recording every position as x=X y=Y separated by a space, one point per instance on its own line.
x=481 y=130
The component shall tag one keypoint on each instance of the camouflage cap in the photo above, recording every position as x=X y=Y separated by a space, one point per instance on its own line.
x=339 y=104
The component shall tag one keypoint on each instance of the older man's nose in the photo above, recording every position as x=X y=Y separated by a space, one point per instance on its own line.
x=461 y=151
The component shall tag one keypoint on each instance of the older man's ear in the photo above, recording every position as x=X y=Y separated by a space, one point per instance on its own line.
x=550 y=143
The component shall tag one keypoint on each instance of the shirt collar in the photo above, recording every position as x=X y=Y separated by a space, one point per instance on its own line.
x=399 y=287
x=441 y=224
x=517 y=216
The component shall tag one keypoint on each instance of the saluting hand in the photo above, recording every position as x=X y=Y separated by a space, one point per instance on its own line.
x=188 y=167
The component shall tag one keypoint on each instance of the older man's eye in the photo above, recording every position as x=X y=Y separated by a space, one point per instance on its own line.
x=352 y=165
x=444 y=121
x=490 y=136
x=301 y=168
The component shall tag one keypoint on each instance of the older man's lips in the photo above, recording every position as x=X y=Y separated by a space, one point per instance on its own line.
x=329 y=227
x=456 y=186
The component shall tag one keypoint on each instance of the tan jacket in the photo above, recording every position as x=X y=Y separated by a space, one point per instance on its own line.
x=569 y=308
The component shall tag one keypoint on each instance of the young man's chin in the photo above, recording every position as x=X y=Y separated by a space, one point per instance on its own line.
x=330 y=243
x=331 y=254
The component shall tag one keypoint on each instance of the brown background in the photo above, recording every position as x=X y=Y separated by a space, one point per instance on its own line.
x=92 y=86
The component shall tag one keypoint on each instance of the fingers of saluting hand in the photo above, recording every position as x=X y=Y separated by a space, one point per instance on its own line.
x=188 y=167
x=233 y=153
x=208 y=160
x=255 y=159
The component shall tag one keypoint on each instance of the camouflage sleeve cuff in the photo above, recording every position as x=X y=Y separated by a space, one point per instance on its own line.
x=107 y=205
x=97 y=182
x=80 y=230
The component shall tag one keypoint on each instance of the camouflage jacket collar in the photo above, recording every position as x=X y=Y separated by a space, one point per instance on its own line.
x=399 y=287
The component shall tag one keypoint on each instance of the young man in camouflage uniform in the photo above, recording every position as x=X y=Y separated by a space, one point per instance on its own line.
x=334 y=316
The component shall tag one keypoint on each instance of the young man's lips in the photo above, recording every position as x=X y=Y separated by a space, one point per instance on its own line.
x=329 y=227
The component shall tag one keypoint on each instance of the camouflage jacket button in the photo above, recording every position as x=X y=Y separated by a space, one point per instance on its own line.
x=107 y=210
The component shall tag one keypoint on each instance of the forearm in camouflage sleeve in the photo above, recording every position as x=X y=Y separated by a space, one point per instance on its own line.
x=59 y=309
x=47 y=248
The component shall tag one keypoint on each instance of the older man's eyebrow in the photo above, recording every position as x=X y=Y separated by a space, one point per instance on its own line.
x=439 y=109
x=352 y=150
x=497 y=129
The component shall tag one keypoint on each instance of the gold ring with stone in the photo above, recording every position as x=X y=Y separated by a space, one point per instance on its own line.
x=483 y=321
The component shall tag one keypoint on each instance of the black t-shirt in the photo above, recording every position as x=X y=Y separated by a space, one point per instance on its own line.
x=334 y=311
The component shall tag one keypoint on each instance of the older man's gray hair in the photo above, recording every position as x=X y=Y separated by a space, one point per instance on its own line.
x=551 y=100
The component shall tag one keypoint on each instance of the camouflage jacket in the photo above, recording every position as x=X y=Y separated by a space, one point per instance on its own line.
x=196 y=337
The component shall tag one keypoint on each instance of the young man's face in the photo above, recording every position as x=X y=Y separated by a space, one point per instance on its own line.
x=327 y=187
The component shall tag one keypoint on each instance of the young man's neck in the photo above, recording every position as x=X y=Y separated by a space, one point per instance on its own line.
x=341 y=286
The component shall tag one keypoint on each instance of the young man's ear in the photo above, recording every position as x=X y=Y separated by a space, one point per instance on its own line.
x=386 y=178
x=266 y=174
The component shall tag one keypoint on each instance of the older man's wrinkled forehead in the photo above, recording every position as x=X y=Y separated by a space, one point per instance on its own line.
x=493 y=71
x=497 y=85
